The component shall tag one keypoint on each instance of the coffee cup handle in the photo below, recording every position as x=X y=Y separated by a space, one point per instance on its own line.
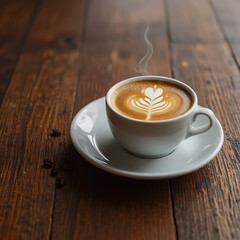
x=198 y=130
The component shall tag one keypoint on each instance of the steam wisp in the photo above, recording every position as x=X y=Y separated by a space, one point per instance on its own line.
x=142 y=66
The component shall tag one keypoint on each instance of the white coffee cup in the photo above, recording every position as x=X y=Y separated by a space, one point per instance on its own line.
x=150 y=139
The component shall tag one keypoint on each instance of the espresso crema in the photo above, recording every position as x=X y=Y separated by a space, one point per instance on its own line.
x=151 y=100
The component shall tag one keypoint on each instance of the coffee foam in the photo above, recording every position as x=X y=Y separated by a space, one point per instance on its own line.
x=151 y=100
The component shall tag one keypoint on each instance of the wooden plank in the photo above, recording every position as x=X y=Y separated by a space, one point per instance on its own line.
x=227 y=13
x=206 y=203
x=94 y=204
x=16 y=17
x=40 y=97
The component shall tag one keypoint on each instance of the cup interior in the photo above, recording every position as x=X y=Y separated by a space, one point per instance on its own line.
x=152 y=77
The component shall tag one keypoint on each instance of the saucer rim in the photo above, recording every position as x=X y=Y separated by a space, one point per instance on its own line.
x=137 y=175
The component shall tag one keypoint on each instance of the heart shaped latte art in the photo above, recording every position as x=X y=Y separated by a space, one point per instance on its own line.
x=152 y=103
x=153 y=93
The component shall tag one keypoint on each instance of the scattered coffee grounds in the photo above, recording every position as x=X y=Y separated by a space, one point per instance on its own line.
x=54 y=171
x=47 y=163
x=55 y=133
x=59 y=181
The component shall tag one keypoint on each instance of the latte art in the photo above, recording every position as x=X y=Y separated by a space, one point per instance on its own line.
x=150 y=100
x=152 y=103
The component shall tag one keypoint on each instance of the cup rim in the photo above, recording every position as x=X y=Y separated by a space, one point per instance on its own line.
x=152 y=77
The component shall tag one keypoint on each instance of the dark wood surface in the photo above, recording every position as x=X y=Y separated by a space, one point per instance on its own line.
x=57 y=56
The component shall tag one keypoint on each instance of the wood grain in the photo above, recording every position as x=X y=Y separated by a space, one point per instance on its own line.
x=99 y=205
x=40 y=97
x=227 y=14
x=57 y=56
x=16 y=19
x=206 y=203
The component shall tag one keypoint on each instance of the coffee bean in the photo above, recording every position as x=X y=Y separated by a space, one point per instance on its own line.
x=54 y=171
x=47 y=163
x=55 y=133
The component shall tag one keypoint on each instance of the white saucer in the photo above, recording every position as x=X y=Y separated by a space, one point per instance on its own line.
x=93 y=139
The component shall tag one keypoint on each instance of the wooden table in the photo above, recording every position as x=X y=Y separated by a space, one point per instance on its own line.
x=55 y=57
